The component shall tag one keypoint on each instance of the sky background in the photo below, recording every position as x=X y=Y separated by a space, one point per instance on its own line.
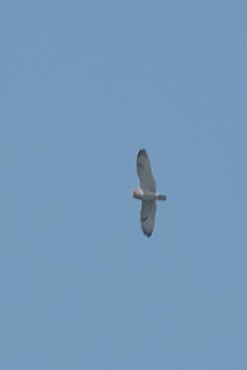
x=84 y=86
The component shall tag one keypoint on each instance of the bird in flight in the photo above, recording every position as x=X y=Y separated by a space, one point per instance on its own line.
x=147 y=192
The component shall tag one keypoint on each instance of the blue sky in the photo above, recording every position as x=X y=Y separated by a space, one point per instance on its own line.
x=84 y=86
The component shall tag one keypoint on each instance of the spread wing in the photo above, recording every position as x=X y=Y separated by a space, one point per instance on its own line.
x=148 y=216
x=144 y=171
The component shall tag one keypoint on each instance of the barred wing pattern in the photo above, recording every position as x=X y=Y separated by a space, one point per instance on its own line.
x=144 y=171
x=148 y=211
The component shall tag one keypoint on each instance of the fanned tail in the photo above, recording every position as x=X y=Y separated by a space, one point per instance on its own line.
x=161 y=197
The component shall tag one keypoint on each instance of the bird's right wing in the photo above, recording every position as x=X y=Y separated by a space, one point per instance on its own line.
x=148 y=211
x=144 y=171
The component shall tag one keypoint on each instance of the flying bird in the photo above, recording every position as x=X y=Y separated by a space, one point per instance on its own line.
x=147 y=192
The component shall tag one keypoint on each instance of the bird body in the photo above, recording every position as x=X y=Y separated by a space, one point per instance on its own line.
x=147 y=195
x=147 y=192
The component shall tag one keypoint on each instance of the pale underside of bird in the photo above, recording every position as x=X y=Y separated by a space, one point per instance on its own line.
x=147 y=192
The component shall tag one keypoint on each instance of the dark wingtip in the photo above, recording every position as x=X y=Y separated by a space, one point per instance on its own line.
x=147 y=234
x=141 y=151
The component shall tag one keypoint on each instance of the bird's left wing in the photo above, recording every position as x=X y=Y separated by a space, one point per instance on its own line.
x=144 y=171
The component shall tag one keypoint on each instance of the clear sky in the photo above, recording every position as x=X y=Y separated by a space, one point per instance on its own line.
x=84 y=86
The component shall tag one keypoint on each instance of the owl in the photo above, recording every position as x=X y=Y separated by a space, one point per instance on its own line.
x=147 y=192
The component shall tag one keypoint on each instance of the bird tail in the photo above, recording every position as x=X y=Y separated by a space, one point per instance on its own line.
x=161 y=197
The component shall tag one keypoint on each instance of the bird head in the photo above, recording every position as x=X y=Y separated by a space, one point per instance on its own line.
x=138 y=193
